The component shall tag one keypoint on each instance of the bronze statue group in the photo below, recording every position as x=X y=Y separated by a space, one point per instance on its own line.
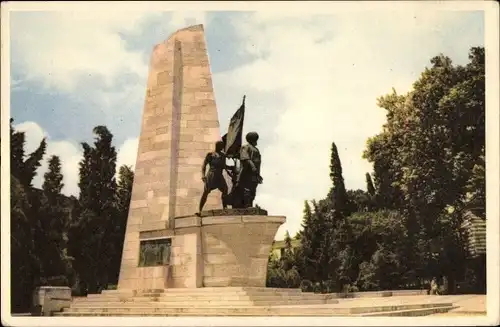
x=245 y=177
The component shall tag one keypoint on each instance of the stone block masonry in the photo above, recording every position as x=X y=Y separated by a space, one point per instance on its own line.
x=179 y=126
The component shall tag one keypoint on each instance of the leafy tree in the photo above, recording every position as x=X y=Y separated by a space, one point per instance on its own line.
x=476 y=187
x=383 y=151
x=381 y=248
x=359 y=201
x=424 y=158
x=283 y=272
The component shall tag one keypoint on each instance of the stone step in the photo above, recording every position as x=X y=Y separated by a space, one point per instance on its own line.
x=180 y=314
x=256 y=312
x=237 y=298
x=134 y=305
x=396 y=307
x=207 y=290
x=199 y=292
x=187 y=303
x=203 y=302
x=410 y=312
x=196 y=297
x=324 y=310
x=218 y=290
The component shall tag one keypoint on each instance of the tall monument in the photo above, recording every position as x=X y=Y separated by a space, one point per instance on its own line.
x=166 y=245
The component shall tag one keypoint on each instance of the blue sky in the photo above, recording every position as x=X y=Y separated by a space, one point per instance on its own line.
x=310 y=79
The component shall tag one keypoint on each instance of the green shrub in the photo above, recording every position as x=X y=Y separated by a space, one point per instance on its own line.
x=306 y=286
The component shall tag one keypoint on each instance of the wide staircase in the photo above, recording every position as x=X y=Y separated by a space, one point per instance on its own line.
x=242 y=301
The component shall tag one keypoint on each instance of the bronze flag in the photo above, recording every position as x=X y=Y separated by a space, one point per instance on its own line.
x=233 y=139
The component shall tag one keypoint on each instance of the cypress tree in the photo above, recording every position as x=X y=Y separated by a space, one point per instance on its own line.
x=288 y=257
x=313 y=229
x=337 y=255
x=25 y=263
x=123 y=196
x=53 y=220
x=371 y=192
x=369 y=185
x=338 y=194
x=97 y=218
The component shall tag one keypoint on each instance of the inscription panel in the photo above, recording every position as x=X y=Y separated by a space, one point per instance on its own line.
x=155 y=252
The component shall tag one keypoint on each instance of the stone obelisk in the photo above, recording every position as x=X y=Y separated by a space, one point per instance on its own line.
x=179 y=126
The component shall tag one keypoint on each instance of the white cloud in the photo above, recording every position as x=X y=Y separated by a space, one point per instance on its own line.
x=328 y=73
x=70 y=51
x=70 y=156
x=127 y=153
x=57 y=48
x=181 y=19
x=67 y=151
x=33 y=135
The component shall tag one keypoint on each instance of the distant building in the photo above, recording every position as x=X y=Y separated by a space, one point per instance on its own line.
x=475 y=228
x=278 y=247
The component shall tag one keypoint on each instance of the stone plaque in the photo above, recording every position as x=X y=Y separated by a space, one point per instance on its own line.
x=155 y=252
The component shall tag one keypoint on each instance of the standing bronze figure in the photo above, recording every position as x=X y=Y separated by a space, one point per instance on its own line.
x=214 y=179
x=249 y=177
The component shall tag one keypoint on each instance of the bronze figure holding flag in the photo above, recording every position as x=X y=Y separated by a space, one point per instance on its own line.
x=214 y=178
x=246 y=158
x=249 y=175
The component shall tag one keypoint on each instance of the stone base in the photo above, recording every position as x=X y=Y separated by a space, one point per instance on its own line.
x=210 y=251
x=230 y=250
x=236 y=249
x=50 y=299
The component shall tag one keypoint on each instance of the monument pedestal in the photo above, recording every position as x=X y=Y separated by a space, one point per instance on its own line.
x=210 y=251
x=236 y=249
